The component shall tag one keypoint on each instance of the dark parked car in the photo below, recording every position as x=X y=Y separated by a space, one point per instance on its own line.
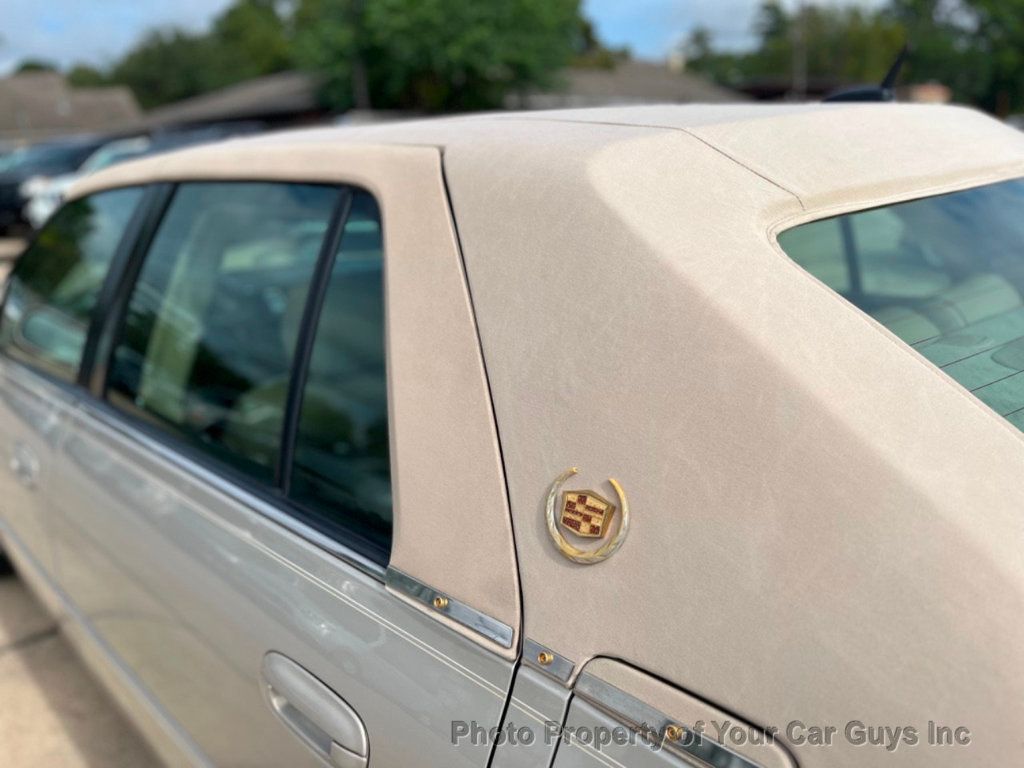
x=39 y=161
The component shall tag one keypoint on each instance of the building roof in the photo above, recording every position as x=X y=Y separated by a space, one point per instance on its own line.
x=40 y=105
x=290 y=93
x=629 y=82
x=277 y=95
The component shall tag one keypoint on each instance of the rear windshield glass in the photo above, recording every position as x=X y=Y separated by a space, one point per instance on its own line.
x=945 y=274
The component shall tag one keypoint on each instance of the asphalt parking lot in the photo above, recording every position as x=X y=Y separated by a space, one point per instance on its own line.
x=52 y=712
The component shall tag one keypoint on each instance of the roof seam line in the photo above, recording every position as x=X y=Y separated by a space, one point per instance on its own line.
x=710 y=145
x=723 y=153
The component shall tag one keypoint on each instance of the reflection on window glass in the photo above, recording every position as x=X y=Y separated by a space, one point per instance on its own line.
x=945 y=274
x=818 y=248
x=341 y=470
x=56 y=284
x=213 y=320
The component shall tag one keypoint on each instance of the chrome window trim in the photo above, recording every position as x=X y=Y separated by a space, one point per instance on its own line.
x=107 y=416
x=637 y=714
x=442 y=604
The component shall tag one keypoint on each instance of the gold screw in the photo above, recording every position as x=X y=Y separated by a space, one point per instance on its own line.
x=545 y=657
x=440 y=602
x=673 y=732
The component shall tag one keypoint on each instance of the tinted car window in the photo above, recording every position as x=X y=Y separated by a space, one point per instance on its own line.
x=51 y=159
x=341 y=469
x=56 y=283
x=945 y=274
x=212 y=323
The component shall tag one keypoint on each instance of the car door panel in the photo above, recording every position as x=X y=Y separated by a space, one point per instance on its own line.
x=535 y=713
x=31 y=423
x=190 y=572
x=191 y=585
x=48 y=304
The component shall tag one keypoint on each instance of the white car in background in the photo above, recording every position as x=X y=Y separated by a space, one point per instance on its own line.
x=46 y=194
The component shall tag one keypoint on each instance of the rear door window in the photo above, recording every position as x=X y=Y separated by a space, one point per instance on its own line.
x=211 y=327
x=341 y=470
x=56 y=284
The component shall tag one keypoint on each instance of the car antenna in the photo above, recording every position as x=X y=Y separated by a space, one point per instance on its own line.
x=883 y=92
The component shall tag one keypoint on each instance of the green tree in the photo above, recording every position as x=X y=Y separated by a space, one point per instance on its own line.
x=250 y=39
x=35 y=65
x=848 y=44
x=592 y=53
x=975 y=46
x=167 y=65
x=700 y=55
x=84 y=76
x=434 y=55
x=941 y=47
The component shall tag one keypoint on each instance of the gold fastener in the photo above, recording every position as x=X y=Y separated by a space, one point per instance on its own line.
x=545 y=657
x=440 y=602
x=673 y=732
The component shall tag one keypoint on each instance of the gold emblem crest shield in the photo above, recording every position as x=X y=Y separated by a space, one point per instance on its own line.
x=610 y=546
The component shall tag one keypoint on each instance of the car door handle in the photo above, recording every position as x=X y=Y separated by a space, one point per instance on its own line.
x=24 y=465
x=315 y=713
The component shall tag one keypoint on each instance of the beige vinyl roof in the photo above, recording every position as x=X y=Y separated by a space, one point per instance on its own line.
x=822 y=154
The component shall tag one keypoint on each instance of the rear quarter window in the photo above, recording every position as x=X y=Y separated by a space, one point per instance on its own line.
x=944 y=273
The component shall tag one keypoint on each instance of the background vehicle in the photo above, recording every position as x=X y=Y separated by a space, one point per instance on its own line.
x=29 y=167
x=47 y=194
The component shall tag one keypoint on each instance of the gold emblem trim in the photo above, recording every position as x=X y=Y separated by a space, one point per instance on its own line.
x=585 y=556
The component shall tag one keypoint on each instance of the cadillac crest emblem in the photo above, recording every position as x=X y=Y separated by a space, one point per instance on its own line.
x=588 y=515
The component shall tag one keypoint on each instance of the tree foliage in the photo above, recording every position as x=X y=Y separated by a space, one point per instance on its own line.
x=591 y=53
x=433 y=55
x=248 y=40
x=35 y=65
x=443 y=55
x=168 y=65
x=976 y=47
x=420 y=55
x=839 y=43
x=85 y=76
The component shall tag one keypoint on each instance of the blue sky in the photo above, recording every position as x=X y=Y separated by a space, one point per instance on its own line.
x=652 y=27
x=98 y=31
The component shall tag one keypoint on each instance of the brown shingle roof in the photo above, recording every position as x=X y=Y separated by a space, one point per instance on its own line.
x=630 y=82
x=38 y=105
x=284 y=93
